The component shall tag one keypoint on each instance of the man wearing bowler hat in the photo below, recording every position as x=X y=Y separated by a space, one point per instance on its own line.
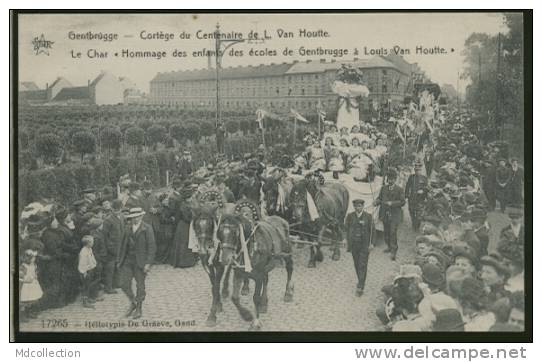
x=391 y=200
x=359 y=233
x=134 y=260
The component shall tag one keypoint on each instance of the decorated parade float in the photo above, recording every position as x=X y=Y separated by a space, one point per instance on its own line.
x=349 y=152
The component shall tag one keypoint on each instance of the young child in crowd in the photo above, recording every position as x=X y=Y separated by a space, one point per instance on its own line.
x=30 y=287
x=86 y=267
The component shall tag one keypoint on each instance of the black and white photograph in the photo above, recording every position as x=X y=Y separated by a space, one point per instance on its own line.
x=271 y=172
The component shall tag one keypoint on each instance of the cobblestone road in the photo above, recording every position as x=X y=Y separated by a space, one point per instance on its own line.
x=324 y=297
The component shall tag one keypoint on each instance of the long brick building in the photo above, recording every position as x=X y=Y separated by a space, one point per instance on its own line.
x=279 y=87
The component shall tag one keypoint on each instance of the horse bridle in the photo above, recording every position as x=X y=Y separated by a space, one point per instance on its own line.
x=233 y=247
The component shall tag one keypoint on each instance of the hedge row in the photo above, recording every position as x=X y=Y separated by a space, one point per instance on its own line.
x=65 y=183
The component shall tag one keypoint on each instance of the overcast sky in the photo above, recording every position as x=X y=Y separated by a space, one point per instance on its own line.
x=446 y=30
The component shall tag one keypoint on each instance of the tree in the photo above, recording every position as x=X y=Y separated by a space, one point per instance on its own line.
x=49 y=147
x=24 y=138
x=135 y=137
x=84 y=142
x=110 y=137
x=193 y=132
x=156 y=134
x=207 y=128
x=499 y=97
x=244 y=126
x=178 y=133
x=232 y=126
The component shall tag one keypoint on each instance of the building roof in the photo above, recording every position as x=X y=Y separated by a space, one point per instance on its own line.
x=72 y=93
x=98 y=79
x=33 y=95
x=320 y=66
x=28 y=86
x=400 y=63
x=59 y=79
x=271 y=70
x=261 y=70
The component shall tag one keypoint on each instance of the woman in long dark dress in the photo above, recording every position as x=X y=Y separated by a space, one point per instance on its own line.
x=59 y=275
x=180 y=256
x=164 y=230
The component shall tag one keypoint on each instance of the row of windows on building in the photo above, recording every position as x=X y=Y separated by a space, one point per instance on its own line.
x=249 y=103
x=386 y=84
x=369 y=75
x=260 y=81
x=267 y=91
x=277 y=91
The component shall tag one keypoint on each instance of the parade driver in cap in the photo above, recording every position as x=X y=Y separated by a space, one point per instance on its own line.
x=359 y=233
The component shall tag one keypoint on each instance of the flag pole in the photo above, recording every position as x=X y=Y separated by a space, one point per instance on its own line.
x=319 y=120
x=295 y=130
x=263 y=133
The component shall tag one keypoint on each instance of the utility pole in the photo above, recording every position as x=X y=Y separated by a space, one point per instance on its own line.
x=479 y=68
x=458 y=95
x=219 y=52
x=498 y=120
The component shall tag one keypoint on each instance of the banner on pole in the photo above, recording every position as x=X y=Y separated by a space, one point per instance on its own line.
x=298 y=116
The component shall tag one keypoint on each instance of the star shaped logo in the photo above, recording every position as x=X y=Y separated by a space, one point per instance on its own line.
x=41 y=45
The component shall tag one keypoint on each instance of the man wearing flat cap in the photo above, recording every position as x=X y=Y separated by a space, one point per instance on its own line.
x=359 y=237
x=515 y=232
x=135 y=198
x=136 y=255
x=80 y=209
x=391 y=200
x=416 y=191
x=89 y=196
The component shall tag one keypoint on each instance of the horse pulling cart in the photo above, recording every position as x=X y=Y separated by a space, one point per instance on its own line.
x=316 y=208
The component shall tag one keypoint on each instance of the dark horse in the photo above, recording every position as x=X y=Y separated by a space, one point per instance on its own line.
x=205 y=228
x=220 y=250
x=331 y=201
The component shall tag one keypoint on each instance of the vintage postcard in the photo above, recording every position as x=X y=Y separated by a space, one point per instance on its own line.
x=277 y=172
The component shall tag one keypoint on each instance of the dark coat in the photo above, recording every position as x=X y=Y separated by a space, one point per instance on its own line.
x=250 y=187
x=145 y=246
x=515 y=186
x=503 y=175
x=185 y=168
x=489 y=182
x=396 y=196
x=359 y=231
x=57 y=274
x=148 y=201
x=99 y=249
x=113 y=231
x=414 y=184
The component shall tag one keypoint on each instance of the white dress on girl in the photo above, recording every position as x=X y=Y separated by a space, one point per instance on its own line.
x=30 y=289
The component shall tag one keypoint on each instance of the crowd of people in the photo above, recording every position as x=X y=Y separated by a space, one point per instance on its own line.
x=455 y=282
x=74 y=252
